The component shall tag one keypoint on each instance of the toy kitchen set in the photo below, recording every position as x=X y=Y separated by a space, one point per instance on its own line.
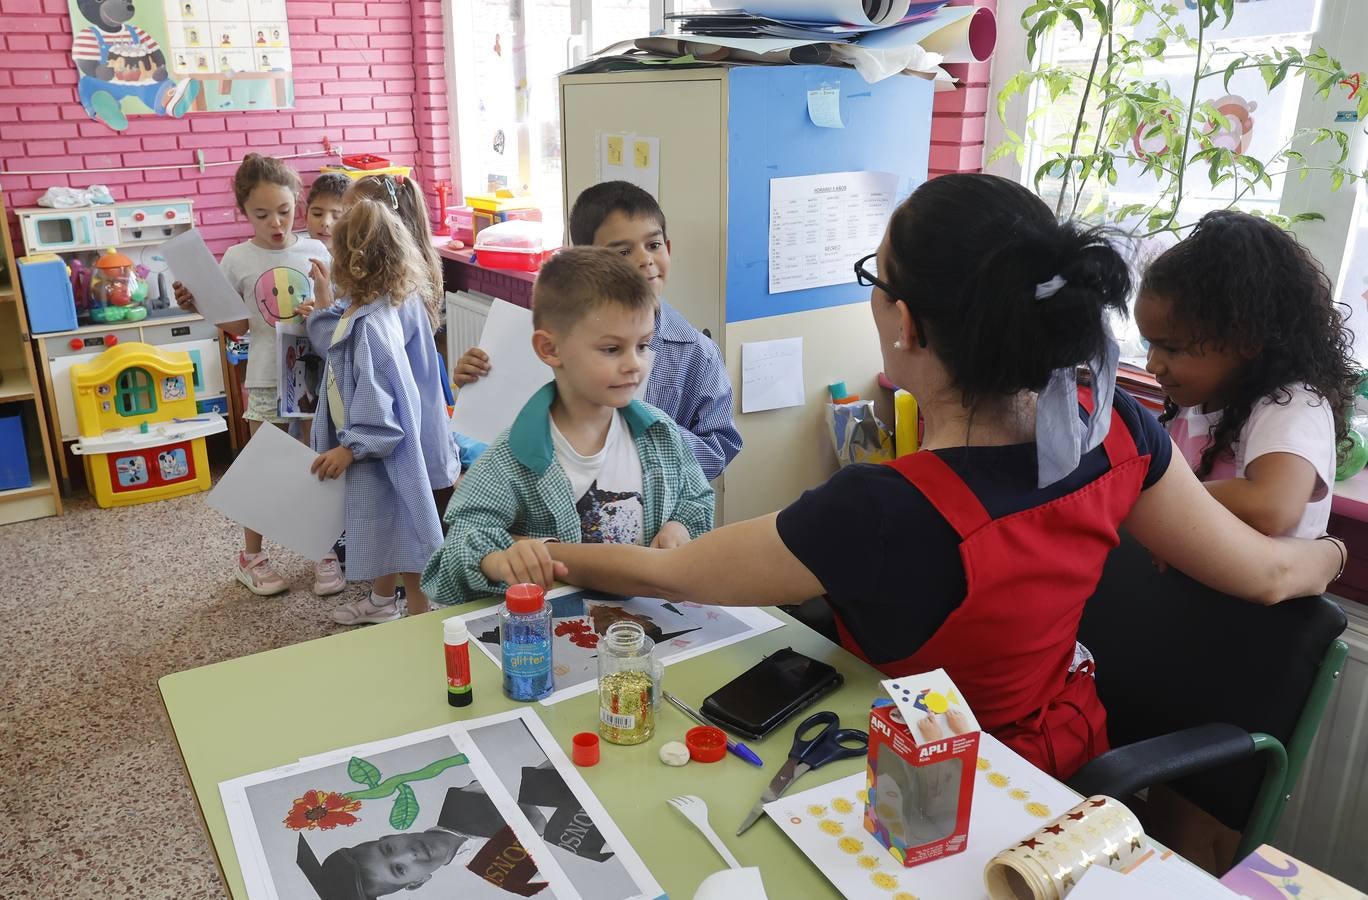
x=93 y=277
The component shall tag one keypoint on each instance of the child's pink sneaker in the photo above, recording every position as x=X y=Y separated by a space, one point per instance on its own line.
x=328 y=578
x=256 y=572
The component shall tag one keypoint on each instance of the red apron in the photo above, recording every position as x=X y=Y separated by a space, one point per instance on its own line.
x=1009 y=645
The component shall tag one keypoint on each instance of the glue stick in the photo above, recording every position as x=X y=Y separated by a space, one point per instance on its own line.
x=905 y=423
x=456 y=643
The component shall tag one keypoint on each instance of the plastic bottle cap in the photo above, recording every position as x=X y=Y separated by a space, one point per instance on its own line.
x=524 y=598
x=706 y=743
x=584 y=748
x=454 y=630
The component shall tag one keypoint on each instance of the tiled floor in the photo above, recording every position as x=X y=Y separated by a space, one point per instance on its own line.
x=99 y=604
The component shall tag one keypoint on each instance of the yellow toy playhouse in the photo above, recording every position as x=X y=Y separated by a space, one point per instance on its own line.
x=141 y=434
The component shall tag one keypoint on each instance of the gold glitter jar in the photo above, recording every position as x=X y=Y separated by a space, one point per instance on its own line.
x=628 y=682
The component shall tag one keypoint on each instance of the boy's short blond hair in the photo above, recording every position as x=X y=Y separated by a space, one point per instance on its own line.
x=578 y=280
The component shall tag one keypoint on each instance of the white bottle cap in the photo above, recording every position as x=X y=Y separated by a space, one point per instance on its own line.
x=454 y=631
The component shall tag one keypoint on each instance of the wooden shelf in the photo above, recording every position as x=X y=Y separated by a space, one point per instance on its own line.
x=15 y=385
x=7 y=292
x=41 y=485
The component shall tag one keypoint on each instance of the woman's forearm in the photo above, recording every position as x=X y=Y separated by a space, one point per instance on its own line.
x=745 y=564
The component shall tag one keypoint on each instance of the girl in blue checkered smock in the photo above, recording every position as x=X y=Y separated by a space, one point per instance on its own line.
x=369 y=418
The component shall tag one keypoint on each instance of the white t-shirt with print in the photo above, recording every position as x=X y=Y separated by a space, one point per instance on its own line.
x=606 y=486
x=273 y=283
x=1304 y=426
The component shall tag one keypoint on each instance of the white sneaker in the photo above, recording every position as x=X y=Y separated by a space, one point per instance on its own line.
x=328 y=578
x=364 y=611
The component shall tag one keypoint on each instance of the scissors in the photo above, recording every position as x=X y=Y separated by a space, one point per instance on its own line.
x=830 y=743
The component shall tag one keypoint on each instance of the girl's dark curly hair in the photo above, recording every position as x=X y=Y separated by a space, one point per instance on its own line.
x=1242 y=282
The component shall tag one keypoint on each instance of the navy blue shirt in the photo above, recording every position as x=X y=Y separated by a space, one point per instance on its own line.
x=890 y=563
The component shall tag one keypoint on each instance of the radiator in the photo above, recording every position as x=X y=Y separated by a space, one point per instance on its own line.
x=1327 y=819
x=465 y=319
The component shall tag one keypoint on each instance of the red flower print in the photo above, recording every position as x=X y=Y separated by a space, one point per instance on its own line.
x=322 y=809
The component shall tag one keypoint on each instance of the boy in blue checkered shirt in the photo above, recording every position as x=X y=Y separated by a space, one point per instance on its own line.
x=583 y=461
x=687 y=380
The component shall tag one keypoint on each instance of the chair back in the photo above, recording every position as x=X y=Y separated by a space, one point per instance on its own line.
x=1172 y=653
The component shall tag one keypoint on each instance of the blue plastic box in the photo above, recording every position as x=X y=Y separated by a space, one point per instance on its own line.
x=14 y=467
x=47 y=293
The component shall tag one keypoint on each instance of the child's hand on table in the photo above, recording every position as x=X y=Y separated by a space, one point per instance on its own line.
x=471 y=367
x=526 y=562
x=671 y=535
x=332 y=463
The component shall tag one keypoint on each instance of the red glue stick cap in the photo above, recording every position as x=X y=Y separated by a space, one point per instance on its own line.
x=584 y=749
x=706 y=743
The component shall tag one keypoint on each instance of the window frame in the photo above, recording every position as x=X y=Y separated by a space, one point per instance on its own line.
x=123 y=393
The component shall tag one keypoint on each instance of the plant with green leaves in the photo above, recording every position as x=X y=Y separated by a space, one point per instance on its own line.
x=330 y=809
x=1125 y=120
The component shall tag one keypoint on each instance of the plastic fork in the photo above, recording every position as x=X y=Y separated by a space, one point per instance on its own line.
x=696 y=811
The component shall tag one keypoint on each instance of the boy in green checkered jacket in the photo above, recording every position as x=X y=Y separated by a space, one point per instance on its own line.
x=583 y=461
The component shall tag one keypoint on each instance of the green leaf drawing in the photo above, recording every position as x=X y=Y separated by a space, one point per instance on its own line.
x=362 y=772
x=405 y=811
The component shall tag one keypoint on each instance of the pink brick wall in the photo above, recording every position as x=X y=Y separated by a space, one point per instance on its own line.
x=958 y=117
x=368 y=76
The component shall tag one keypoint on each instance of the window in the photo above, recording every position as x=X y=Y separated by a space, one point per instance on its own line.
x=134 y=395
x=1258 y=26
x=505 y=57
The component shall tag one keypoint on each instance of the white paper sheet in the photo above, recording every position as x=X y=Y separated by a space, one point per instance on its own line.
x=1012 y=798
x=256 y=804
x=488 y=407
x=191 y=263
x=592 y=880
x=631 y=158
x=820 y=224
x=269 y=489
x=1157 y=877
x=771 y=374
x=851 y=12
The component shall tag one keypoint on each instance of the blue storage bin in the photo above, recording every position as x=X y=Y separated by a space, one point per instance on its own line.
x=14 y=467
x=47 y=293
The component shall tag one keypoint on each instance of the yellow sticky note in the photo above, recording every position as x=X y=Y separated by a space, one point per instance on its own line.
x=615 y=150
x=641 y=154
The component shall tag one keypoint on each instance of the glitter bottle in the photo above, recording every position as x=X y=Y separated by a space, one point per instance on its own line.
x=629 y=682
x=525 y=643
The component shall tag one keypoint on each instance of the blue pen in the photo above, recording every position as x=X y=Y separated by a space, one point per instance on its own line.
x=735 y=747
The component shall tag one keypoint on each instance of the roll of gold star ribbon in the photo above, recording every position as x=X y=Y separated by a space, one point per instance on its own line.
x=1048 y=863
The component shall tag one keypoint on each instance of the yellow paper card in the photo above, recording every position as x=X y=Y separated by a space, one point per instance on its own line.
x=641 y=154
x=615 y=150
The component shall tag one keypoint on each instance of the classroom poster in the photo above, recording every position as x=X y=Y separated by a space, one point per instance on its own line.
x=172 y=57
x=580 y=618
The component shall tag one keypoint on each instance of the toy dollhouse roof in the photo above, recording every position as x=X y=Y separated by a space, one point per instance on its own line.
x=111 y=362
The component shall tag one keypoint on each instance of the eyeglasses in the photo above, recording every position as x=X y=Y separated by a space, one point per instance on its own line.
x=867 y=275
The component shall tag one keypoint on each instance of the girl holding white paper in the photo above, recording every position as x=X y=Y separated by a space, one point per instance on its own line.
x=271 y=273
x=368 y=424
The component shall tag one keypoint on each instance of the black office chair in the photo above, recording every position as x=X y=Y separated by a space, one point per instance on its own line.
x=1198 y=685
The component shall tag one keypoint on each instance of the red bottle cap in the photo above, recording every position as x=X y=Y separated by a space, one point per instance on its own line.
x=584 y=749
x=524 y=598
x=705 y=743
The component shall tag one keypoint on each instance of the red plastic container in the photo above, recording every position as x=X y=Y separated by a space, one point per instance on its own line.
x=519 y=246
x=365 y=161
